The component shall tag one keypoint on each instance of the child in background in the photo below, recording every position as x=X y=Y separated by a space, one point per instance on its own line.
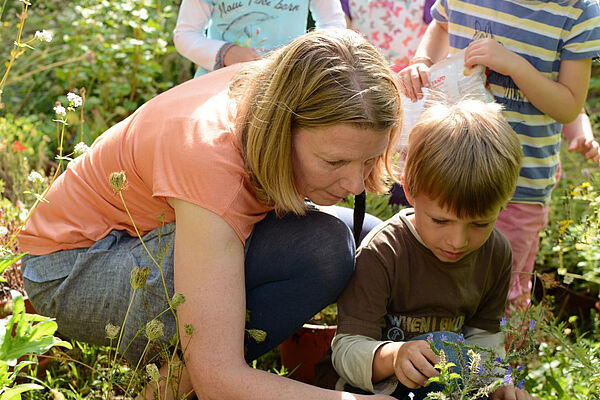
x=215 y=34
x=440 y=266
x=395 y=27
x=539 y=56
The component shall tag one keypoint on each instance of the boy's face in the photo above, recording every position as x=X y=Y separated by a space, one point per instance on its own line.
x=450 y=238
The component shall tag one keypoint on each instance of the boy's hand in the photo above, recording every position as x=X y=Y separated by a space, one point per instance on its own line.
x=586 y=146
x=413 y=78
x=413 y=364
x=511 y=393
x=491 y=54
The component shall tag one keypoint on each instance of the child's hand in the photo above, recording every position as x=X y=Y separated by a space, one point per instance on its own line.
x=491 y=54
x=413 y=364
x=237 y=54
x=586 y=146
x=413 y=78
x=511 y=393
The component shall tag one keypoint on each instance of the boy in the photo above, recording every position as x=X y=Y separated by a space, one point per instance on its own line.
x=440 y=266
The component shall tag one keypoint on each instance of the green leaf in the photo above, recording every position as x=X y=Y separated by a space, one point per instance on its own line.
x=15 y=393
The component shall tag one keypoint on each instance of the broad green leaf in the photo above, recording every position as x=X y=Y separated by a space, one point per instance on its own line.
x=15 y=393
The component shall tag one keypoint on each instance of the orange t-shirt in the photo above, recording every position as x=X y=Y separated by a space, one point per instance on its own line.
x=180 y=144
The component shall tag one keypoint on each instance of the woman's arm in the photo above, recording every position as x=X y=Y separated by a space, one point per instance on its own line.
x=328 y=14
x=209 y=271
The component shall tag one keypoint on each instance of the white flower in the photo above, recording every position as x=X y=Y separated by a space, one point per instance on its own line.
x=80 y=148
x=74 y=100
x=34 y=177
x=60 y=110
x=43 y=36
x=3 y=230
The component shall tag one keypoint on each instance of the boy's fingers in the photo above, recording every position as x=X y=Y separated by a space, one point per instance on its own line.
x=410 y=376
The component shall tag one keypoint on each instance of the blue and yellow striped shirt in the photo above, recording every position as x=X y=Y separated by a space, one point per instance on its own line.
x=544 y=33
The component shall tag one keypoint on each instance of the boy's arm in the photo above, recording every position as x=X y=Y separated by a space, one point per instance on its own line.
x=352 y=358
x=433 y=48
x=562 y=100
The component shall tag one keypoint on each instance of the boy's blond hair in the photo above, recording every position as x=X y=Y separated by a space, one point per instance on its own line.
x=466 y=156
x=326 y=77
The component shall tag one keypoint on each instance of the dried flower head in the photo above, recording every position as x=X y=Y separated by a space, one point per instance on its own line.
x=258 y=335
x=154 y=329
x=118 y=180
x=152 y=371
x=475 y=361
x=177 y=300
x=189 y=329
x=138 y=277
x=112 y=331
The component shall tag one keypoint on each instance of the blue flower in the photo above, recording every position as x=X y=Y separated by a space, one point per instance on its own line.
x=508 y=371
x=480 y=370
x=521 y=367
x=503 y=321
x=531 y=324
x=498 y=359
x=430 y=337
x=444 y=337
x=521 y=384
x=507 y=380
x=461 y=338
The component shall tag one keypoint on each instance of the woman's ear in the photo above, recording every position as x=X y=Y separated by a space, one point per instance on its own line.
x=404 y=188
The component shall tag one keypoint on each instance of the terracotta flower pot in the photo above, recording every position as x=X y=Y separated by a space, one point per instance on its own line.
x=303 y=349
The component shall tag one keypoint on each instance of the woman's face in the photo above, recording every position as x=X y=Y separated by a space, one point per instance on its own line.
x=333 y=162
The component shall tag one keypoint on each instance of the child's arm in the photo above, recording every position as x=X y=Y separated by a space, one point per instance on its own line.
x=411 y=362
x=562 y=100
x=328 y=14
x=433 y=48
x=581 y=137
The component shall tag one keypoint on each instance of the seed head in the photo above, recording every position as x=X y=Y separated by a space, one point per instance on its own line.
x=177 y=300
x=138 y=277
x=258 y=335
x=189 y=329
x=118 y=180
x=154 y=329
x=112 y=331
x=152 y=371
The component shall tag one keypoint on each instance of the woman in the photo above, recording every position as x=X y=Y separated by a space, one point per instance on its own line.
x=217 y=182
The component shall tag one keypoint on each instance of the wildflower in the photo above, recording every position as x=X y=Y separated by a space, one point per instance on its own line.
x=531 y=324
x=34 y=177
x=118 y=180
x=154 y=329
x=521 y=384
x=80 y=148
x=430 y=338
x=189 y=329
x=585 y=185
x=111 y=331
x=18 y=146
x=74 y=100
x=503 y=321
x=152 y=371
x=138 y=277
x=43 y=36
x=586 y=173
x=498 y=360
x=258 y=335
x=461 y=338
x=177 y=300
x=3 y=230
x=507 y=380
x=60 y=110
x=481 y=370
x=521 y=367
x=568 y=279
x=443 y=337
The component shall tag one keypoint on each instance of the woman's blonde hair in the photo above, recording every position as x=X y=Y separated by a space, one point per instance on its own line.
x=464 y=155
x=326 y=77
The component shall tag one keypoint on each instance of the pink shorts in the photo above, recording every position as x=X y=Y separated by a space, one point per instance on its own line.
x=521 y=224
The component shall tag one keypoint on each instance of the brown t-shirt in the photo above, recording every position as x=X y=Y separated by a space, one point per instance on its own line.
x=400 y=289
